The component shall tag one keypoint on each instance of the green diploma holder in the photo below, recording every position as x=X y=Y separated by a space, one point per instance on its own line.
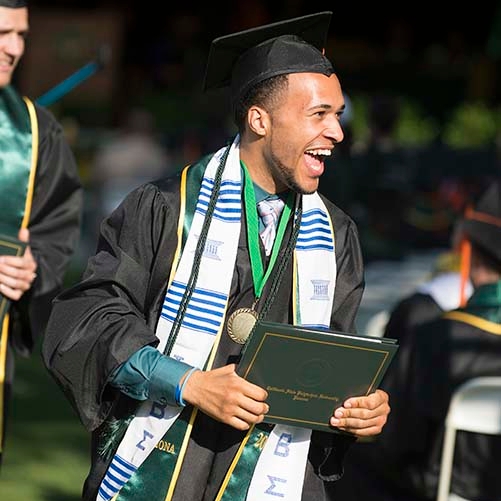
x=308 y=372
x=12 y=247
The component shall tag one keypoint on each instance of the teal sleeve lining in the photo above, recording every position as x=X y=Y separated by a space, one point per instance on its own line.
x=148 y=374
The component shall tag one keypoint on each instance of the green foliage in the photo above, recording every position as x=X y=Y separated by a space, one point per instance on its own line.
x=359 y=120
x=415 y=128
x=469 y=125
x=472 y=125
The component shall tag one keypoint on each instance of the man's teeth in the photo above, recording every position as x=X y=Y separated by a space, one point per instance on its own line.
x=324 y=153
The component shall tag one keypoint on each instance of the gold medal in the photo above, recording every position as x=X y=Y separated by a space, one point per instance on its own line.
x=241 y=323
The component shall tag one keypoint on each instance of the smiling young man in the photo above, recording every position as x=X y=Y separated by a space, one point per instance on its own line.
x=144 y=347
x=40 y=204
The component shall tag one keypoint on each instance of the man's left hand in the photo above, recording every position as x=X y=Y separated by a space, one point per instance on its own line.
x=363 y=416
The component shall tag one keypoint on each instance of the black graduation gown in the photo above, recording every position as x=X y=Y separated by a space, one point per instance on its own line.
x=411 y=311
x=101 y=322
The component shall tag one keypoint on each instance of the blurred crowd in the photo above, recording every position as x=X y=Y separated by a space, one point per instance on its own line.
x=401 y=179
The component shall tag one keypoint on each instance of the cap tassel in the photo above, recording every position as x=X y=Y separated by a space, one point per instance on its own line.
x=465 y=263
x=465 y=259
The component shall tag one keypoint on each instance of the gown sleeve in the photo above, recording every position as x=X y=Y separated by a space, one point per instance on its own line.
x=99 y=323
x=350 y=281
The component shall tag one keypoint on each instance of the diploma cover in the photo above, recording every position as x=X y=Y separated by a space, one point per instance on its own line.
x=310 y=372
x=9 y=246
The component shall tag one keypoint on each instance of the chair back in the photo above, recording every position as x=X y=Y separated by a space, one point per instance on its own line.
x=475 y=406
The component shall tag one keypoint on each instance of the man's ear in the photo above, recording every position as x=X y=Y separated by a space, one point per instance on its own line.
x=258 y=120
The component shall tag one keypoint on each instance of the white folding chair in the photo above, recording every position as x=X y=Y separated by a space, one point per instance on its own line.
x=475 y=407
x=377 y=323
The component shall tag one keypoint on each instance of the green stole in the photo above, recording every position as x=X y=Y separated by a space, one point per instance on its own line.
x=483 y=309
x=156 y=478
x=18 y=159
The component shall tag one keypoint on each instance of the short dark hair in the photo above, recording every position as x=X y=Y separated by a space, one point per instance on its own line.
x=487 y=258
x=265 y=94
x=14 y=4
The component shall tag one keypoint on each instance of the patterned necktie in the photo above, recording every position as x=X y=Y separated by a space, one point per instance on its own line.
x=269 y=210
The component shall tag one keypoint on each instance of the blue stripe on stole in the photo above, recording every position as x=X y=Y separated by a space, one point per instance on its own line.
x=203 y=296
x=228 y=207
x=115 y=480
x=329 y=248
x=316 y=221
x=208 y=311
x=228 y=191
x=119 y=461
x=316 y=229
x=204 y=312
x=314 y=242
x=179 y=294
x=315 y=212
x=227 y=186
x=315 y=233
x=227 y=215
x=228 y=211
x=111 y=484
x=313 y=238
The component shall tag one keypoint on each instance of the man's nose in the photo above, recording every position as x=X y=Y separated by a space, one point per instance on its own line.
x=335 y=131
x=13 y=44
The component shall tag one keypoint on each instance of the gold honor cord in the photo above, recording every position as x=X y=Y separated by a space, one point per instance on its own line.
x=3 y=363
x=180 y=225
x=233 y=465
x=480 y=323
x=34 y=161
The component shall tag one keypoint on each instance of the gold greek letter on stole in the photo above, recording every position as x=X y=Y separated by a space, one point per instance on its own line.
x=260 y=441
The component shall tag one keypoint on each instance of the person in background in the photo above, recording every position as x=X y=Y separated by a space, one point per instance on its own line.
x=40 y=205
x=446 y=290
x=145 y=346
x=385 y=174
x=403 y=462
x=134 y=155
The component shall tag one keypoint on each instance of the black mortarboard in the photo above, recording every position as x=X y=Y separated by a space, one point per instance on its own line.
x=482 y=225
x=14 y=4
x=248 y=57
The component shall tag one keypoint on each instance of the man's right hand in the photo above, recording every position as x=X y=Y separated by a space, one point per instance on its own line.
x=223 y=395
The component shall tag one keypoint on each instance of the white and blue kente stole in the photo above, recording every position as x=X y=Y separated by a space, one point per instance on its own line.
x=203 y=320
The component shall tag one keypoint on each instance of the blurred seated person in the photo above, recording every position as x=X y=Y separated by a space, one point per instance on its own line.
x=447 y=289
x=403 y=463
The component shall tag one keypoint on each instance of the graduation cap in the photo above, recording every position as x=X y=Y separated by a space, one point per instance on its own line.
x=244 y=59
x=482 y=224
x=14 y=4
